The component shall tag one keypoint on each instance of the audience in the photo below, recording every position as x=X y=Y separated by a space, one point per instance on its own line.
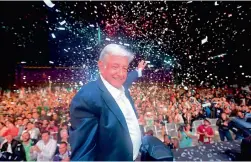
x=222 y=123
x=185 y=136
x=14 y=147
x=205 y=132
x=168 y=141
x=45 y=148
x=24 y=117
x=64 y=153
x=28 y=143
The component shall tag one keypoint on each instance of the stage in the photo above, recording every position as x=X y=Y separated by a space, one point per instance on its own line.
x=209 y=152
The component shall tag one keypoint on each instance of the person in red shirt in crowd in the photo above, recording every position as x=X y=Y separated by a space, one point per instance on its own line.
x=12 y=129
x=205 y=132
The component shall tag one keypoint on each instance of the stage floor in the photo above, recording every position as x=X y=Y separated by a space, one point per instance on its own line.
x=208 y=152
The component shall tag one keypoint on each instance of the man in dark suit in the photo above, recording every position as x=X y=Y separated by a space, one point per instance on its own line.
x=104 y=125
x=13 y=149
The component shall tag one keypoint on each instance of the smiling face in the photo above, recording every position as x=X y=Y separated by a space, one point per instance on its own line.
x=114 y=69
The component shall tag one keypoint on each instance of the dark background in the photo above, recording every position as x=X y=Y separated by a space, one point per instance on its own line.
x=26 y=29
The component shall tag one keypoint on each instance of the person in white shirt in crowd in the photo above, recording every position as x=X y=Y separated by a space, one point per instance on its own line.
x=45 y=149
x=178 y=117
x=34 y=132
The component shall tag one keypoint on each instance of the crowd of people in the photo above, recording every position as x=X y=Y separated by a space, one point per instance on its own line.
x=34 y=124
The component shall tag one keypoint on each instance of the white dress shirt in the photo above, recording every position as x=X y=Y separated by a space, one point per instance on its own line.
x=129 y=114
x=9 y=148
x=34 y=133
x=47 y=150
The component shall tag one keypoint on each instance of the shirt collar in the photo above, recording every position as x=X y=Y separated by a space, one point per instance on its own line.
x=115 y=92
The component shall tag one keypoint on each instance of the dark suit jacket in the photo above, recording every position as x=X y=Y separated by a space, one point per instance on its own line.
x=98 y=127
x=17 y=149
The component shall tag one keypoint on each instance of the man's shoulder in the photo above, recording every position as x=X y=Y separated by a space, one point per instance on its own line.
x=90 y=87
x=89 y=93
x=54 y=142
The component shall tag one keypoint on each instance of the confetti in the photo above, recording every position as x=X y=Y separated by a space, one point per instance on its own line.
x=49 y=3
x=204 y=40
x=53 y=35
x=62 y=22
x=162 y=34
x=61 y=28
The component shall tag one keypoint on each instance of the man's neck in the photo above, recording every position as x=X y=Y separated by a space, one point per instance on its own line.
x=64 y=140
x=46 y=142
x=26 y=142
x=63 y=153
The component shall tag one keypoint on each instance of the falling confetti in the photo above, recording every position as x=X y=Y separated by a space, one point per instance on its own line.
x=49 y=3
x=204 y=40
x=62 y=22
x=169 y=35
x=53 y=35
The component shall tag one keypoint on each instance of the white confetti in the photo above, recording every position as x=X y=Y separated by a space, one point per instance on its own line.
x=53 y=35
x=49 y=3
x=51 y=62
x=204 y=40
x=62 y=22
x=216 y=4
x=61 y=28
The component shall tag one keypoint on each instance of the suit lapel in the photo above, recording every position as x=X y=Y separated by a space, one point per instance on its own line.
x=112 y=104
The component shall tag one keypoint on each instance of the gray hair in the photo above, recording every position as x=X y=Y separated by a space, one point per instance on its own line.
x=115 y=49
x=63 y=131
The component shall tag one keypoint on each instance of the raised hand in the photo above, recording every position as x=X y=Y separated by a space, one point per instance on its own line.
x=142 y=64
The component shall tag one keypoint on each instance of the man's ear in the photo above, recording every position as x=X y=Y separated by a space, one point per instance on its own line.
x=101 y=65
